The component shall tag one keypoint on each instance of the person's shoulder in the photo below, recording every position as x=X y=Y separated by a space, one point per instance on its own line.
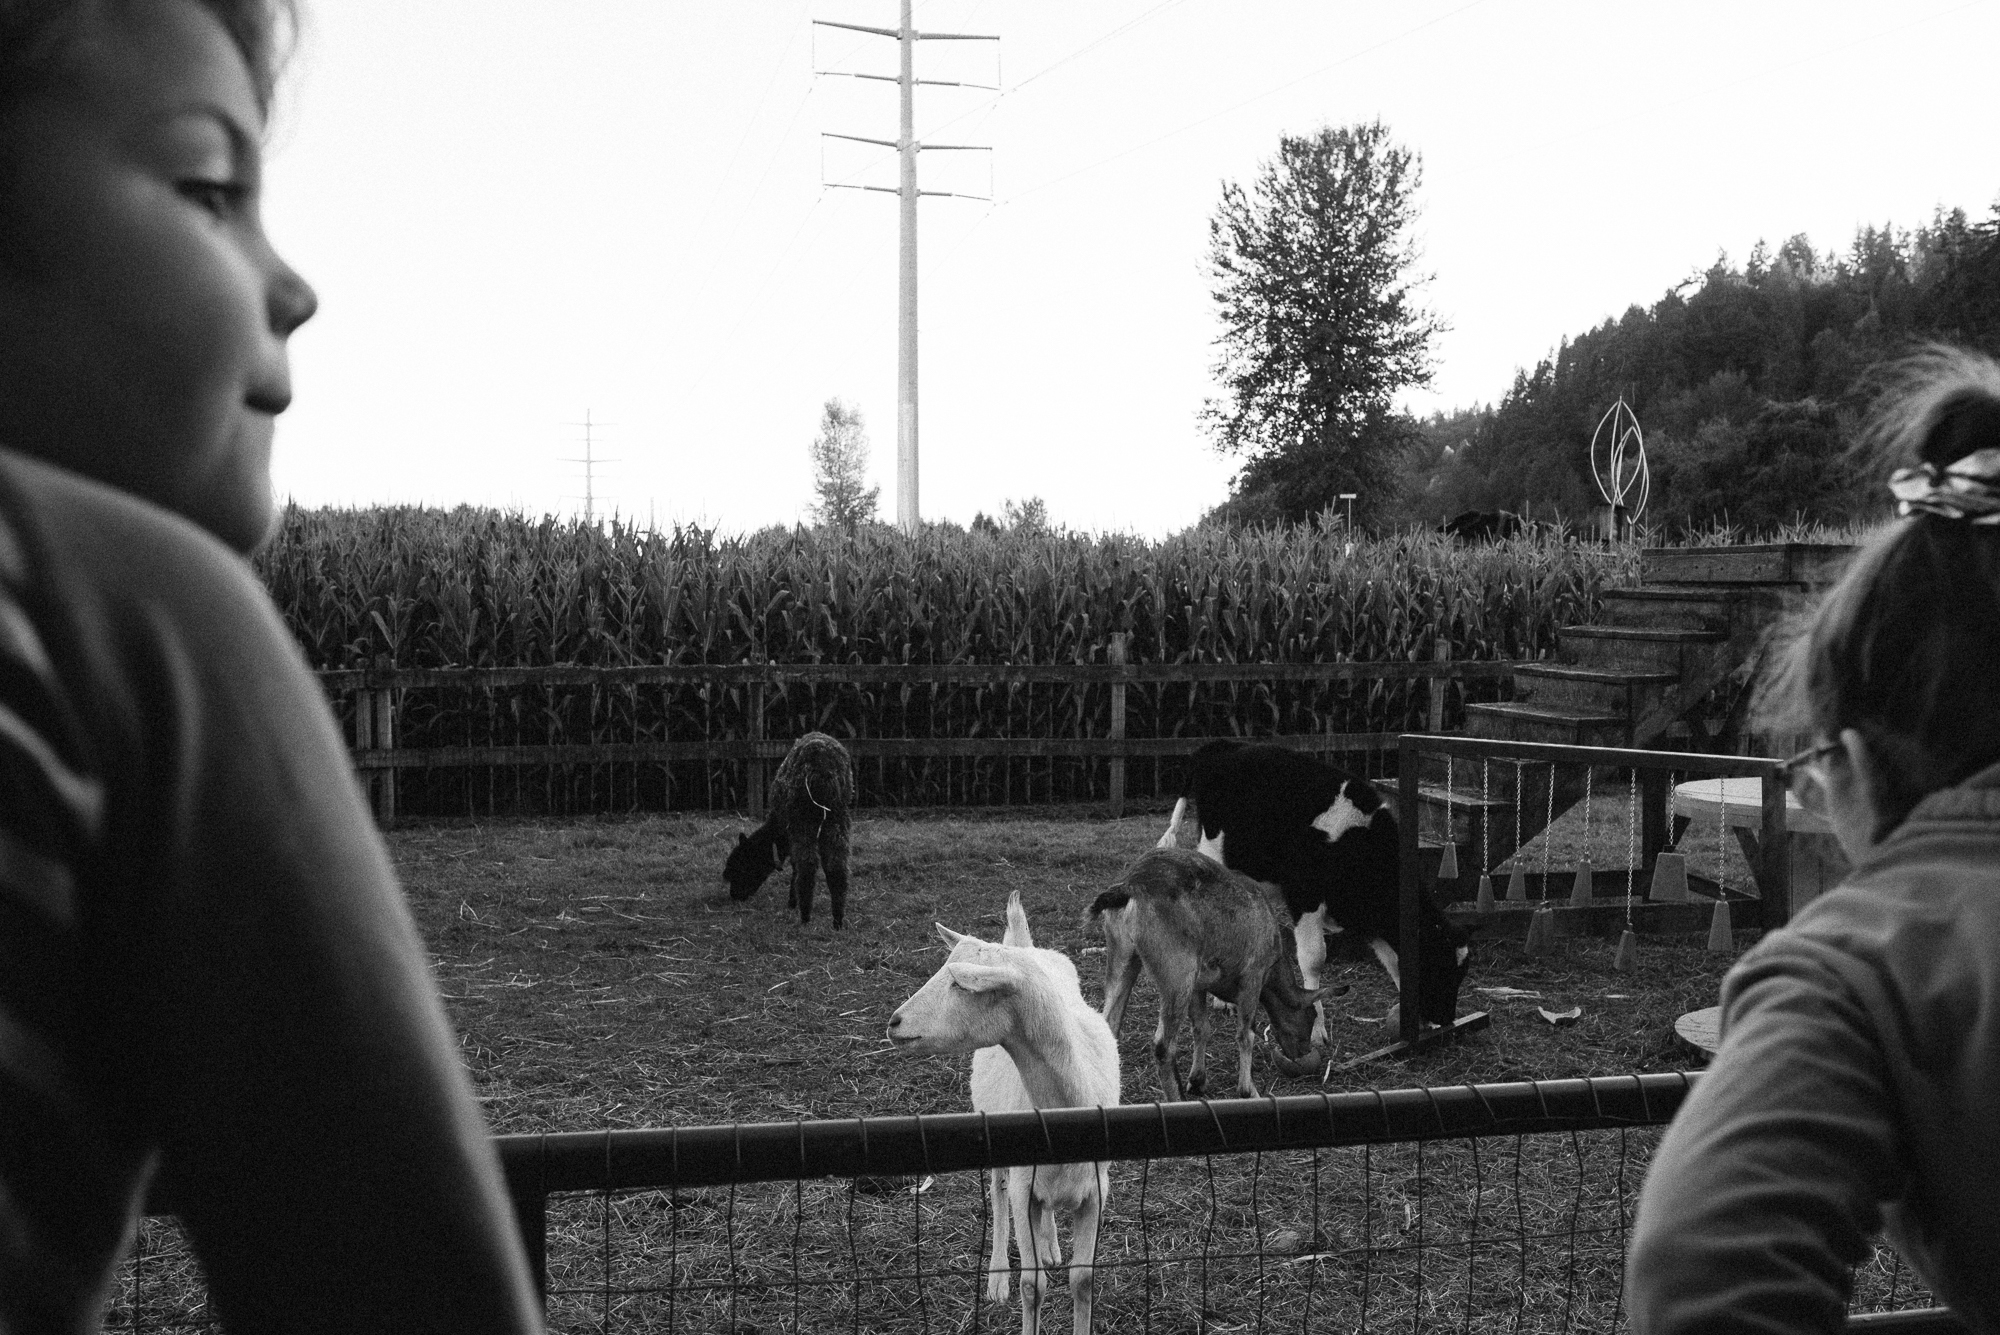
x=82 y=543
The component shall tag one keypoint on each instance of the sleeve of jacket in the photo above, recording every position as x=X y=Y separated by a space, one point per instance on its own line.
x=318 y=1135
x=1766 y=1187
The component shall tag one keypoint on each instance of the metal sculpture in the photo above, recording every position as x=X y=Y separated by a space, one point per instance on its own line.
x=1624 y=474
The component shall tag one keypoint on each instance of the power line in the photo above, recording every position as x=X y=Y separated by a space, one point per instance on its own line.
x=1248 y=101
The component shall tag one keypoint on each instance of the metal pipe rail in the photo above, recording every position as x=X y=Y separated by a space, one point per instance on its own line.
x=706 y=1156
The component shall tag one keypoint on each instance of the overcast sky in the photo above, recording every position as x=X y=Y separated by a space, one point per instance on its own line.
x=520 y=211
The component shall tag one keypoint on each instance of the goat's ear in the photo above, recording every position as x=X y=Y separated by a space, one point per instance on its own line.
x=950 y=937
x=981 y=977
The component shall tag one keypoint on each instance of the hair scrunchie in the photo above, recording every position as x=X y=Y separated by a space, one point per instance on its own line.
x=1967 y=489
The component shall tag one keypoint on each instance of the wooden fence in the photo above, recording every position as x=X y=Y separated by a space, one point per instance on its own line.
x=758 y=708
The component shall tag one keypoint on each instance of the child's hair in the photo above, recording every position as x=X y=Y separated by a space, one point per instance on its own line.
x=33 y=32
x=1905 y=647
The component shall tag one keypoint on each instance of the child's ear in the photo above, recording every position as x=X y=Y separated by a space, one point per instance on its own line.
x=982 y=977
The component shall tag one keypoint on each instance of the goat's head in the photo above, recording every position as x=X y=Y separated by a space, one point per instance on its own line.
x=751 y=863
x=1292 y=1025
x=966 y=1004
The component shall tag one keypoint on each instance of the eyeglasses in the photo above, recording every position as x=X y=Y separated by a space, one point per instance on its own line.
x=1801 y=774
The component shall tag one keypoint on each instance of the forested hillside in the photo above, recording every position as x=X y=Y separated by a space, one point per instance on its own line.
x=1748 y=380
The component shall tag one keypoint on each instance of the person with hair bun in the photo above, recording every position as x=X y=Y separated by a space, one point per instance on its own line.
x=1857 y=1087
x=211 y=990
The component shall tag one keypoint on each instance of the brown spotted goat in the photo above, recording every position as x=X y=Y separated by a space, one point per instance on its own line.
x=810 y=798
x=1202 y=931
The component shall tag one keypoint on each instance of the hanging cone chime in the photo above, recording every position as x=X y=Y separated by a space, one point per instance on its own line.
x=1541 y=932
x=1719 y=937
x=1627 y=958
x=1579 y=890
x=1517 y=885
x=1670 y=879
x=1448 y=864
x=1485 y=900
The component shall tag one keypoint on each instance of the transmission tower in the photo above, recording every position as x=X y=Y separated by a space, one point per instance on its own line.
x=590 y=462
x=907 y=192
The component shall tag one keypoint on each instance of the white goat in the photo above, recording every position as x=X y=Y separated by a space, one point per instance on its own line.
x=1035 y=1043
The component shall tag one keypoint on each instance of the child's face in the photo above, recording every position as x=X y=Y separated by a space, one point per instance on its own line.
x=143 y=314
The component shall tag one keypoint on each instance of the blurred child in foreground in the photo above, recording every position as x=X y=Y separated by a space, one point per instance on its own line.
x=209 y=981
x=1858 y=1082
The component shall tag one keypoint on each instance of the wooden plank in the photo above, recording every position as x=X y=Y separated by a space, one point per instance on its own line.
x=1746 y=563
x=1606 y=919
x=1429 y=1038
x=603 y=753
x=881 y=674
x=1749 y=564
x=1542 y=753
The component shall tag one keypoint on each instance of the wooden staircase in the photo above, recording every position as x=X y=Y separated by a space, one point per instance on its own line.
x=1644 y=675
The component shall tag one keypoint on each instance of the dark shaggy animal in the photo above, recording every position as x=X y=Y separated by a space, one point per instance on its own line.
x=1330 y=844
x=810 y=796
x=1482 y=525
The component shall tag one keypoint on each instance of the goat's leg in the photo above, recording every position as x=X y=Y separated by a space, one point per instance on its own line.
x=1163 y=1045
x=1121 y=971
x=997 y=1269
x=1247 y=1002
x=1201 y=1018
x=1026 y=1233
x=1386 y=953
x=833 y=853
x=1083 y=1253
x=1309 y=935
x=1172 y=838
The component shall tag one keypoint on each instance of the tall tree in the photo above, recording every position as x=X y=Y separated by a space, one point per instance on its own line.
x=840 y=468
x=1314 y=273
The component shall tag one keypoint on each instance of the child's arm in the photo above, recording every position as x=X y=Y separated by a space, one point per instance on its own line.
x=319 y=1133
x=1765 y=1189
x=263 y=1009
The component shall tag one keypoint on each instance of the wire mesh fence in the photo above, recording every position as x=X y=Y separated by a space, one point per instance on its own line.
x=1480 y=1208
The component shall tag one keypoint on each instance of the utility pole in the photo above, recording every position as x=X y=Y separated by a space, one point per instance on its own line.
x=908 y=512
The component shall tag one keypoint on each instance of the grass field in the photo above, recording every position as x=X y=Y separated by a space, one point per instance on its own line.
x=599 y=976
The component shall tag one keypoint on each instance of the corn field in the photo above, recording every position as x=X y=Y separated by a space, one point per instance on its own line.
x=419 y=588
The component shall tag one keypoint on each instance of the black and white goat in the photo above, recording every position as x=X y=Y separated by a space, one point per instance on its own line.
x=1330 y=844
x=810 y=796
x=1035 y=1043
x=1201 y=931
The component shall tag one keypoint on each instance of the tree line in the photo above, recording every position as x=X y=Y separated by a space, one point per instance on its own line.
x=1749 y=380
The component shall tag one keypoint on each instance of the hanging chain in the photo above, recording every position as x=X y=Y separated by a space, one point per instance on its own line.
x=1589 y=782
x=1631 y=843
x=1549 y=831
x=1485 y=816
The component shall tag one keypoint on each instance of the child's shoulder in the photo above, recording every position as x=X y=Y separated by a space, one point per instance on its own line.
x=82 y=551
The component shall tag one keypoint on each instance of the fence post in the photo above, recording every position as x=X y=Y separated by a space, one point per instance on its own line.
x=385 y=740
x=1439 y=685
x=1774 y=855
x=1409 y=763
x=364 y=741
x=760 y=779
x=1119 y=640
x=1653 y=834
